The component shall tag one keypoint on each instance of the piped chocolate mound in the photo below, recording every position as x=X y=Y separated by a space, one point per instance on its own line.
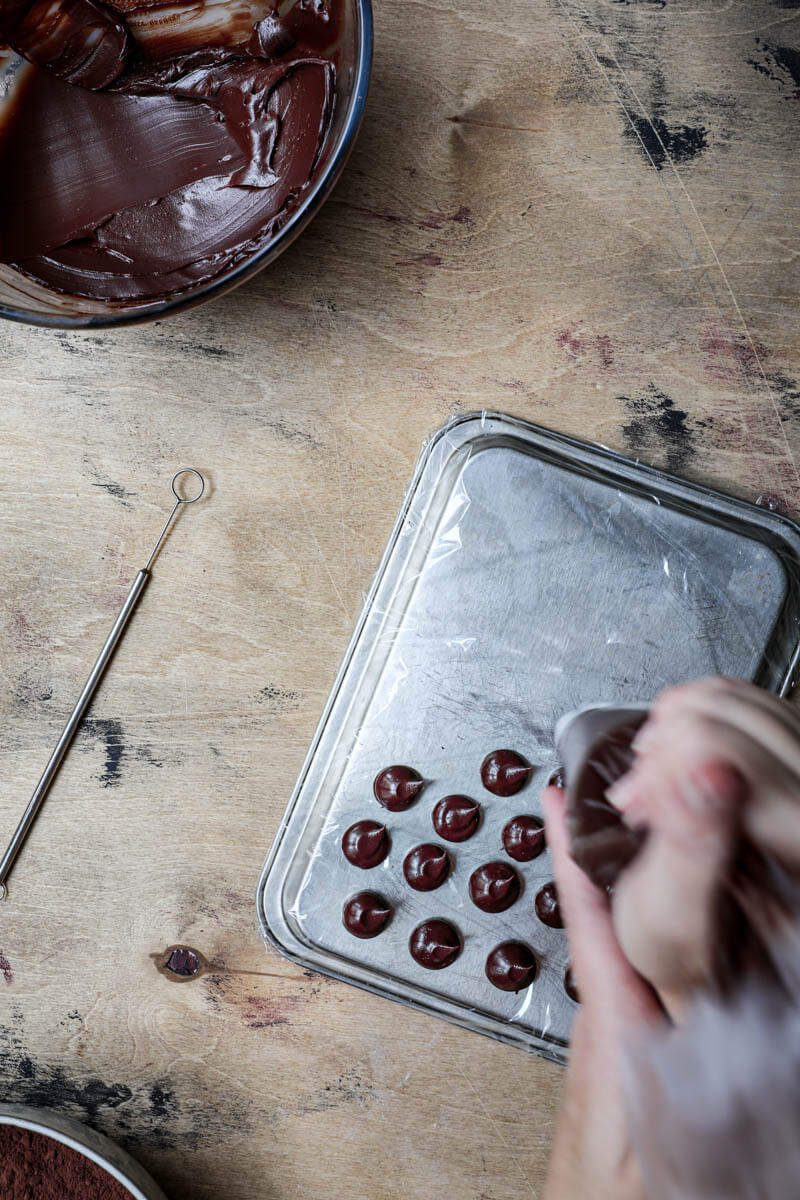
x=366 y=914
x=426 y=867
x=365 y=844
x=396 y=788
x=571 y=987
x=511 y=967
x=523 y=838
x=456 y=818
x=504 y=772
x=494 y=887
x=547 y=907
x=435 y=945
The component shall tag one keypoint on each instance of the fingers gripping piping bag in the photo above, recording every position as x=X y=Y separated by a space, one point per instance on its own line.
x=714 y=1102
x=756 y=897
x=528 y=574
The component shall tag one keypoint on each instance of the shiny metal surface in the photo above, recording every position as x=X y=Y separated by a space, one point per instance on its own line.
x=528 y=575
x=89 y=688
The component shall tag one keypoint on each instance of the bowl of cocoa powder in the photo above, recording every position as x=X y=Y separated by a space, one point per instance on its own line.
x=53 y=1157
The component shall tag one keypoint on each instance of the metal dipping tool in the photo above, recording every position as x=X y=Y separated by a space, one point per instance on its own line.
x=131 y=600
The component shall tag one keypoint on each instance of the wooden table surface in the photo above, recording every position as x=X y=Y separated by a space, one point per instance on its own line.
x=583 y=212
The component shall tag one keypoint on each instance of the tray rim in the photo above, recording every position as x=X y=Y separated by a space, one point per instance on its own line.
x=620 y=468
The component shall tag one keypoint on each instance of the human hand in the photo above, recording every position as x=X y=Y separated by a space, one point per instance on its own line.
x=592 y=1157
x=716 y=760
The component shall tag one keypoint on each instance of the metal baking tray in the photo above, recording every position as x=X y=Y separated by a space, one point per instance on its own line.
x=528 y=575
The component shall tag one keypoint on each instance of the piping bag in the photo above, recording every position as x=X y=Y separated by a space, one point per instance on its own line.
x=714 y=1104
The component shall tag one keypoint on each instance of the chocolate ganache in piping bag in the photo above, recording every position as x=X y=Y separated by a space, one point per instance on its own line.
x=141 y=158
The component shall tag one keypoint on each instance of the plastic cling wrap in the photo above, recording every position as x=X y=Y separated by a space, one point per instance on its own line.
x=527 y=575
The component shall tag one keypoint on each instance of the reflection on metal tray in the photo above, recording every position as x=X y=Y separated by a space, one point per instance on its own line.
x=528 y=575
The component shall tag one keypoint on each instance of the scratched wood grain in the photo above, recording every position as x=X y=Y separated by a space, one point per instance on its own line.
x=583 y=212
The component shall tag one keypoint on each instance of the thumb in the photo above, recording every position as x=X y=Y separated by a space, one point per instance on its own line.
x=605 y=978
x=664 y=904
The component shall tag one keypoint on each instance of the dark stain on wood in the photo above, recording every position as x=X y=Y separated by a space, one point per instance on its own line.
x=657 y=426
x=118 y=751
x=145 y=1114
x=260 y=1012
x=279 y=699
x=577 y=344
x=123 y=494
x=781 y=64
x=662 y=143
x=201 y=349
x=109 y=731
x=32 y=687
x=424 y=260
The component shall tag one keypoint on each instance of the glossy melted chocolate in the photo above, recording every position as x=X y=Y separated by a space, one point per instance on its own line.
x=494 y=887
x=365 y=844
x=511 y=967
x=77 y=40
x=426 y=867
x=456 y=818
x=523 y=838
x=366 y=914
x=435 y=945
x=128 y=176
x=396 y=788
x=504 y=772
x=547 y=907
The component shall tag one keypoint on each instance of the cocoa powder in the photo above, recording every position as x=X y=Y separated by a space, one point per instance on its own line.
x=36 y=1167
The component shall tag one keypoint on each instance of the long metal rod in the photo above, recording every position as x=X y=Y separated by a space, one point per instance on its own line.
x=118 y=628
x=28 y=817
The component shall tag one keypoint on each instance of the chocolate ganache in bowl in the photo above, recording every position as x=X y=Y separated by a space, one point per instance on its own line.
x=156 y=152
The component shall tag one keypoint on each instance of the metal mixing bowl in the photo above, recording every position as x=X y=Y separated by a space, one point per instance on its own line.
x=21 y=299
x=88 y=1142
